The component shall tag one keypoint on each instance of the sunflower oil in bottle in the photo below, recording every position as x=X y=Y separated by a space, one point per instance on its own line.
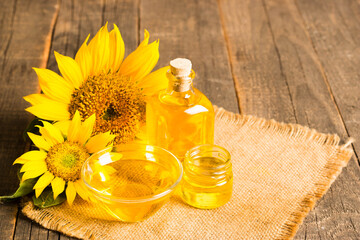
x=129 y=180
x=180 y=117
x=208 y=180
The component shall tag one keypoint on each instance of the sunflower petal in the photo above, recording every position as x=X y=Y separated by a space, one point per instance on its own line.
x=83 y=58
x=74 y=128
x=69 y=69
x=44 y=180
x=117 y=47
x=87 y=129
x=54 y=86
x=34 y=155
x=81 y=190
x=70 y=192
x=39 y=141
x=51 y=134
x=99 y=141
x=50 y=110
x=34 y=173
x=63 y=126
x=145 y=42
x=150 y=62
x=154 y=82
x=37 y=98
x=38 y=191
x=58 y=186
x=33 y=166
x=100 y=52
x=141 y=62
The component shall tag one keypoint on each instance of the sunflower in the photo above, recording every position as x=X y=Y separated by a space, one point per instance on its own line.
x=98 y=81
x=63 y=148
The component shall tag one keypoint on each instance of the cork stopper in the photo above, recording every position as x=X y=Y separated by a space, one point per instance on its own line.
x=180 y=67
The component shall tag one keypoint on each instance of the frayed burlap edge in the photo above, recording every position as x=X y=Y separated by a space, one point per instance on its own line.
x=332 y=169
x=288 y=230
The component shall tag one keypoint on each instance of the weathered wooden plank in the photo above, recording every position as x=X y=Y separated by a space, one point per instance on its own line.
x=334 y=29
x=271 y=36
x=305 y=76
x=26 y=229
x=331 y=218
x=302 y=70
x=192 y=29
x=125 y=14
x=24 y=43
x=62 y=237
x=262 y=88
x=38 y=233
x=53 y=235
x=23 y=228
x=77 y=19
x=8 y=220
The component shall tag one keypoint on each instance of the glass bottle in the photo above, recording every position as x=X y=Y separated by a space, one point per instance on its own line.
x=179 y=117
x=207 y=179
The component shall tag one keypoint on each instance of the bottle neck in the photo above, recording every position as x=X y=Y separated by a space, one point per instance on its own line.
x=180 y=84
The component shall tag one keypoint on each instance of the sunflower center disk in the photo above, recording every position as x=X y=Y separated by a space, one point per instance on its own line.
x=65 y=159
x=118 y=103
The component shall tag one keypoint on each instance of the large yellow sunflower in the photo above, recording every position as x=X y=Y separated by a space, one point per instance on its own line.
x=99 y=82
x=63 y=148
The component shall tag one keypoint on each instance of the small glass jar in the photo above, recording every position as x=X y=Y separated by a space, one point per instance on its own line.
x=208 y=178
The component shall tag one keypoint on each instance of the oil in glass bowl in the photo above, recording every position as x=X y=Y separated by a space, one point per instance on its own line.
x=133 y=183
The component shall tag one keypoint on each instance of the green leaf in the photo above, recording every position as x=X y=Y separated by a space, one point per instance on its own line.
x=31 y=128
x=24 y=189
x=19 y=174
x=46 y=199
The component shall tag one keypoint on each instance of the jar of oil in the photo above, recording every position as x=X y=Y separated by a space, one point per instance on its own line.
x=208 y=180
x=179 y=117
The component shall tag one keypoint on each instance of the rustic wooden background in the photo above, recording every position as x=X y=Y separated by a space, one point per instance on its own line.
x=296 y=61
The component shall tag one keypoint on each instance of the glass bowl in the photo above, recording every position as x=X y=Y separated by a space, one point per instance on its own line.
x=131 y=181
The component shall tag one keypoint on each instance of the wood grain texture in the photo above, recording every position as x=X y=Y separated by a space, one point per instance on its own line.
x=334 y=30
x=23 y=228
x=125 y=14
x=8 y=220
x=25 y=30
x=192 y=29
x=294 y=64
x=38 y=233
x=263 y=88
x=77 y=19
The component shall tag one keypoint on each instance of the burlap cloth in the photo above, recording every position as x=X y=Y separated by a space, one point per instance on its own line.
x=280 y=171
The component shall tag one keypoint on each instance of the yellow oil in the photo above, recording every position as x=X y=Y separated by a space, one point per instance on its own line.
x=134 y=180
x=178 y=121
x=206 y=186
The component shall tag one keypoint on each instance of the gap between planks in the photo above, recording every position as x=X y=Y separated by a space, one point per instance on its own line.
x=228 y=48
x=325 y=78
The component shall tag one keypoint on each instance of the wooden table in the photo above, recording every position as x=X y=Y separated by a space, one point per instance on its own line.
x=296 y=61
